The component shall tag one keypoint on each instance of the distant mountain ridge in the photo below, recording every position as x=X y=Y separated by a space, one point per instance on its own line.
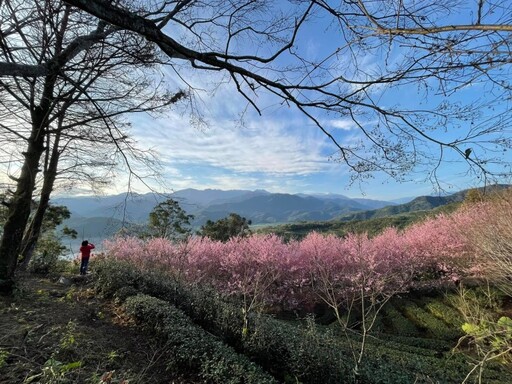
x=104 y=216
x=421 y=203
x=277 y=207
x=259 y=206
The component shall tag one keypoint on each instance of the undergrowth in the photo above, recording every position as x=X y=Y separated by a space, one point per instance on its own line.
x=302 y=351
x=123 y=325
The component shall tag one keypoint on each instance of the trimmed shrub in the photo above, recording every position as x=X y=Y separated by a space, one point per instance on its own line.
x=204 y=306
x=111 y=276
x=193 y=348
x=418 y=345
x=431 y=324
x=448 y=314
x=399 y=324
x=123 y=293
x=299 y=352
x=290 y=351
x=280 y=348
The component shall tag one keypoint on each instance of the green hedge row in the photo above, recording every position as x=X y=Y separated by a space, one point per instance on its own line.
x=431 y=324
x=419 y=345
x=288 y=352
x=447 y=314
x=291 y=352
x=194 y=349
x=398 y=323
x=386 y=367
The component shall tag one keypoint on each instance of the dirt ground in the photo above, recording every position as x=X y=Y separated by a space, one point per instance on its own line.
x=52 y=332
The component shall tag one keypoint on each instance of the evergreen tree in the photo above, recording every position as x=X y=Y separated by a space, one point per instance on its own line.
x=168 y=220
x=232 y=226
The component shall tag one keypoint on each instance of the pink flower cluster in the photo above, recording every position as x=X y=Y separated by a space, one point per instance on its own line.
x=286 y=274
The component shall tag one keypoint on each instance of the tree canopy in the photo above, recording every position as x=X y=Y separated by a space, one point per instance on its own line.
x=224 y=229
x=65 y=126
x=169 y=221
x=438 y=47
x=441 y=47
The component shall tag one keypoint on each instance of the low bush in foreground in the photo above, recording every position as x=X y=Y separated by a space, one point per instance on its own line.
x=280 y=348
x=291 y=351
x=194 y=349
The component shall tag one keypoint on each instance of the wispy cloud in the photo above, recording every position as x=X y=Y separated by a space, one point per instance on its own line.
x=268 y=146
x=342 y=124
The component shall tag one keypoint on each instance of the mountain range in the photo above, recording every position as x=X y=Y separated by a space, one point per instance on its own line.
x=421 y=203
x=98 y=217
x=258 y=206
x=101 y=217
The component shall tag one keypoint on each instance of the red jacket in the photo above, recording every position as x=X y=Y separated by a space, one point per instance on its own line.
x=86 y=251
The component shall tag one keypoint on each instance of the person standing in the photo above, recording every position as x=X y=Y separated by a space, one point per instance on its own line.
x=85 y=251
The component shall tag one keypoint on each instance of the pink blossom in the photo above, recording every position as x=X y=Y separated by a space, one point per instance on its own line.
x=289 y=274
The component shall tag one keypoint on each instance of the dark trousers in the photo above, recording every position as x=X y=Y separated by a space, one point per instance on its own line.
x=83 y=266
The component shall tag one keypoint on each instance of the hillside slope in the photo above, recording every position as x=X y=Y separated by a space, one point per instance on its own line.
x=62 y=333
x=421 y=203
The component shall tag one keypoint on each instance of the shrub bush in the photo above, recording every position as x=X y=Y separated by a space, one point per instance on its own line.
x=398 y=323
x=417 y=345
x=193 y=348
x=393 y=363
x=435 y=327
x=299 y=352
x=448 y=314
x=278 y=347
x=111 y=276
x=43 y=263
x=289 y=351
x=206 y=307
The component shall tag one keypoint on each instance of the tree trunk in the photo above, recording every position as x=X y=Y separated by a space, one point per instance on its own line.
x=34 y=230
x=19 y=207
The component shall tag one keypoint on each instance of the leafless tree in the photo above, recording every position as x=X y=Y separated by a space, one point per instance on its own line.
x=455 y=54
x=491 y=238
x=441 y=48
x=97 y=74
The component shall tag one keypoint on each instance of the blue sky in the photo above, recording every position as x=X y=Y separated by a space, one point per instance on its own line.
x=232 y=147
x=282 y=151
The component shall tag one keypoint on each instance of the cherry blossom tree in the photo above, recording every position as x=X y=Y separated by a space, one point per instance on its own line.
x=490 y=237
